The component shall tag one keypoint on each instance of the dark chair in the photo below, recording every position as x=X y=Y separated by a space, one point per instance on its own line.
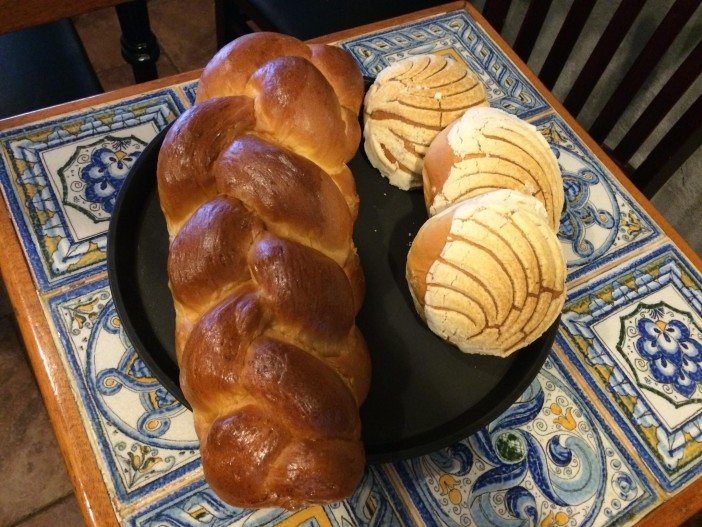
x=311 y=18
x=307 y=19
x=47 y=65
x=43 y=66
x=683 y=138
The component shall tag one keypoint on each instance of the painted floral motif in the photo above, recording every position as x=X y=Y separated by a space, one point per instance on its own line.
x=567 y=471
x=545 y=462
x=600 y=221
x=106 y=172
x=158 y=405
x=199 y=505
x=142 y=437
x=674 y=357
x=580 y=213
x=142 y=461
x=663 y=347
x=634 y=334
x=94 y=174
x=62 y=217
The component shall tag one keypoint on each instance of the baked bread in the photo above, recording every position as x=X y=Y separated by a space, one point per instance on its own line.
x=488 y=149
x=487 y=274
x=265 y=278
x=409 y=103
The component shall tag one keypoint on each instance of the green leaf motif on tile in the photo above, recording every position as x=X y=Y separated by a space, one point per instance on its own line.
x=510 y=447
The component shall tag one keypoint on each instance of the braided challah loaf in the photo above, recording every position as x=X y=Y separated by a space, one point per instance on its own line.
x=488 y=149
x=409 y=103
x=488 y=274
x=264 y=274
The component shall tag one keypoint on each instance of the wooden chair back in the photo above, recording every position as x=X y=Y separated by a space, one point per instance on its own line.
x=681 y=140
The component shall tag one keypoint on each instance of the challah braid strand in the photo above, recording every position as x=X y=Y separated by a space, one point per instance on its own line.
x=266 y=284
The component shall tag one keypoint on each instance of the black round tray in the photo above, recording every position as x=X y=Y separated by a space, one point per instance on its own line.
x=425 y=394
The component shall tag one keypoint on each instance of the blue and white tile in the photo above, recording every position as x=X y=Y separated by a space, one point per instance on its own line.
x=549 y=461
x=457 y=34
x=196 y=505
x=635 y=334
x=601 y=221
x=190 y=90
x=142 y=437
x=60 y=178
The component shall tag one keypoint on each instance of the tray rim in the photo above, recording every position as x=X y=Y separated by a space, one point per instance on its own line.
x=416 y=445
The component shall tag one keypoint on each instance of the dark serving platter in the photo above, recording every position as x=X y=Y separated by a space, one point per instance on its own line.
x=425 y=394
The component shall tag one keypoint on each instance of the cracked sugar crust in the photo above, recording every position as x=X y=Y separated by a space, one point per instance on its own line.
x=411 y=102
x=498 y=282
x=488 y=149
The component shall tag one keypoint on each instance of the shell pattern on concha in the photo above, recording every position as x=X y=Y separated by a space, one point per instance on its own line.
x=498 y=282
x=410 y=102
x=489 y=149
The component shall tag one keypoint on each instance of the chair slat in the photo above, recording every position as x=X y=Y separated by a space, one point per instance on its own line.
x=678 y=144
x=531 y=27
x=608 y=43
x=679 y=82
x=641 y=68
x=565 y=41
x=495 y=11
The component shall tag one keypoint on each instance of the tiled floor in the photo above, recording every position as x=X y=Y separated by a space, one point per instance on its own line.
x=35 y=486
x=37 y=491
x=185 y=31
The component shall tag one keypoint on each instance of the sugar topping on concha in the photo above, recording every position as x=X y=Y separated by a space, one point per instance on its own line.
x=487 y=274
x=488 y=149
x=410 y=102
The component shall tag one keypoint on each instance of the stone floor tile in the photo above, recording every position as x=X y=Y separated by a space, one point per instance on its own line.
x=33 y=472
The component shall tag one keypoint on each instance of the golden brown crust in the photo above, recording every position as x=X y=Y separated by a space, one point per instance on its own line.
x=306 y=292
x=337 y=66
x=295 y=104
x=190 y=148
x=426 y=248
x=208 y=253
x=289 y=193
x=265 y=277
x=228 y=72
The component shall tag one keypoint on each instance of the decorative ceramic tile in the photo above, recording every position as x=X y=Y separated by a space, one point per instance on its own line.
x=635 y=334
x=547 y=461
x=60 y=178
x=196 y=505
x=601 y=221
x=458 y=35
x=141 y=435
x=190 y=89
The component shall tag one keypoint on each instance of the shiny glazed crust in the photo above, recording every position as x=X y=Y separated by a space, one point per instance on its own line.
x=265 y=278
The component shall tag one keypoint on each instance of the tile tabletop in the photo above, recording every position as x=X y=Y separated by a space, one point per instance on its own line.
x=610 y=429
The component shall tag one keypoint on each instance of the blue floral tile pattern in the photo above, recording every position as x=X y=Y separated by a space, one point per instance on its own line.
x=196 y=505
x=93 y=176
x=60 y=178
x=635 y=335
x=143 y=437
x=548 y=460
x=458 y=35
x=600 y=222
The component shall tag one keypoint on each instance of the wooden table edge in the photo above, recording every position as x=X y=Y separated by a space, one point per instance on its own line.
x=52 y=379
x=51 y=376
